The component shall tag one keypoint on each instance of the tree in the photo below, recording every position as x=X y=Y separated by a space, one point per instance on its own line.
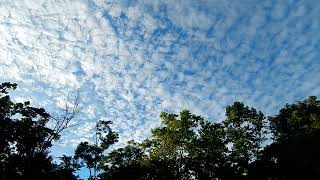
x=129 y=162
x=166 y=155
x=25 y=139
x=66 y=169
x=173 y=142
x=296 y=119
x=62 y=118
x=246 y=134
x=92 y=155
x=209 y=157
x=185 y=146
x=294 y=154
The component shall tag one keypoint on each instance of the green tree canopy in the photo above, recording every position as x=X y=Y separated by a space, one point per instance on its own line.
x=294 y=154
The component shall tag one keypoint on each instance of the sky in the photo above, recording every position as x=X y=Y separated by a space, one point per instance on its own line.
x=131 y=59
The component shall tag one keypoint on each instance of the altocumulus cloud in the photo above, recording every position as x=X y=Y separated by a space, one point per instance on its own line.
x=131 y=59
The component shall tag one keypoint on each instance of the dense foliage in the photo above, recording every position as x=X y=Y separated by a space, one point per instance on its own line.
x=25 y=141
x=185 y=146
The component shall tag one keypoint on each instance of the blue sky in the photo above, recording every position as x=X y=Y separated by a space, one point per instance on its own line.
x=129 y=60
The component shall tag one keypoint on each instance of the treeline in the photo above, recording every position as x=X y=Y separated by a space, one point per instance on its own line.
x=247 y=145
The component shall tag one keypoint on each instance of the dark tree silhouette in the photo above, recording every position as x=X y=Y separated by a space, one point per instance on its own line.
x=294 y=154
x=92 y=155
x=24 y=139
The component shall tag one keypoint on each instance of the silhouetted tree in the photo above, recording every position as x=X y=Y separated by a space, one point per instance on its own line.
x=294 y=154
x=67 y=168
x=128 y=162
x=91 y=155
x=24 y=139
x=62 y=118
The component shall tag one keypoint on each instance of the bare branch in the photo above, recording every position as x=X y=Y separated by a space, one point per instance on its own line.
x=62 y=119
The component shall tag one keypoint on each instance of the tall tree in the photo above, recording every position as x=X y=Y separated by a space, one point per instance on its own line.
x=173 y=141
x=92 y=155
x=66 y=169
x=129 y=162
x=245 y=133
x=294 y=154
x=209 y=156
x=25 y=139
